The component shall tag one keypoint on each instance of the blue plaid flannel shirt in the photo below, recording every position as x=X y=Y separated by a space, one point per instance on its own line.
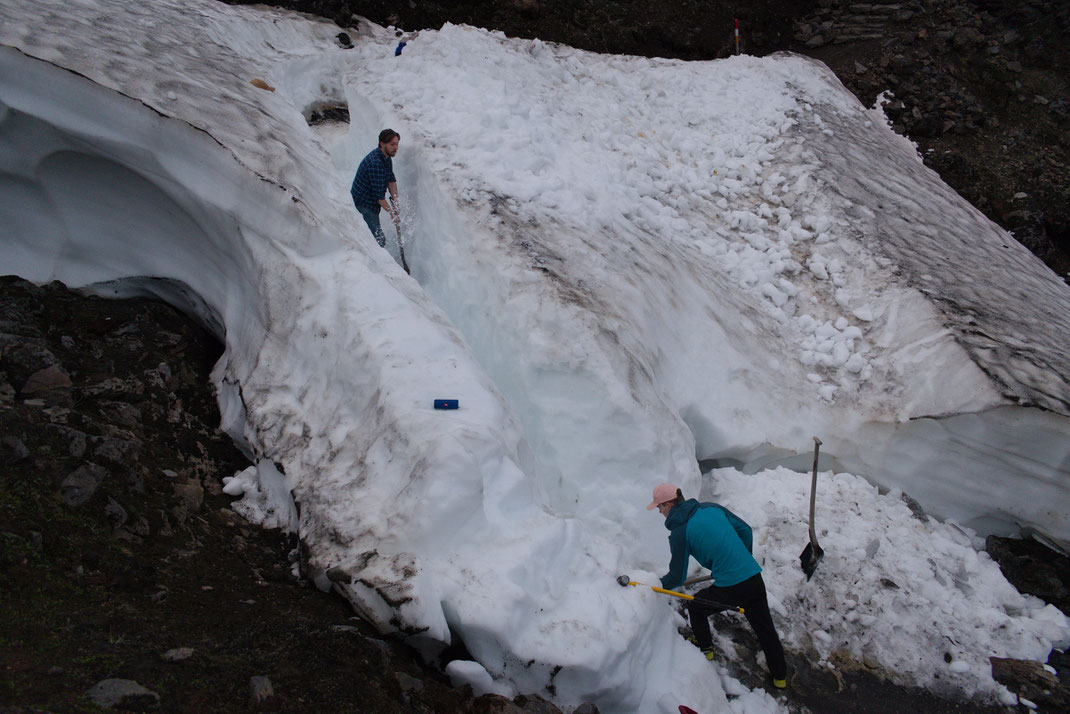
x=376 y=170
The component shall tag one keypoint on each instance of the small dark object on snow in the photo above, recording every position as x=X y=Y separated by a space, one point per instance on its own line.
x=447 y=404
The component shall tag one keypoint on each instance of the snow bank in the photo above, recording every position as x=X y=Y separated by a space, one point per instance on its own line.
x=622 y=264
x=896 y=592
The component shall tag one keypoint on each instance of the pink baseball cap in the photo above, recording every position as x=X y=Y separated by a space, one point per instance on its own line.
x=664 y=492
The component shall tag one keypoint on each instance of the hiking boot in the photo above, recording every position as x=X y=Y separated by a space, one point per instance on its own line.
x=708 y=651
x=780 y=683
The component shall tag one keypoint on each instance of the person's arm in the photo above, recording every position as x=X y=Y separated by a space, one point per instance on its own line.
x=392 y=188
x=391 y=207
x=678 y=563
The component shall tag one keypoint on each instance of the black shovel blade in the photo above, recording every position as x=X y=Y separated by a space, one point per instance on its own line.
x=810 y=557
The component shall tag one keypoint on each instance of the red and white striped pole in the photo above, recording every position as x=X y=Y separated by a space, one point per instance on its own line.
x=737 y=35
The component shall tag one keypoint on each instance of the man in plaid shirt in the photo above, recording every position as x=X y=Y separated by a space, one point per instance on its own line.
x=375 y=176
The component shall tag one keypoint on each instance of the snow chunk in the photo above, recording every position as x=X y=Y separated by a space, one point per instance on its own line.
x=463 y=672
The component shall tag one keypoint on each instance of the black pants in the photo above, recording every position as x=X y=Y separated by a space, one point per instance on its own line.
x=750 y=595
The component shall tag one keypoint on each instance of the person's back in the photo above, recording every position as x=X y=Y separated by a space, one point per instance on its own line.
x=714 y=536
x=361 y=191
x=716 y=545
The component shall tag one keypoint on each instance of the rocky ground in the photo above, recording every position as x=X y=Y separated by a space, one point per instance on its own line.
x=980 y=86
x=126 y=578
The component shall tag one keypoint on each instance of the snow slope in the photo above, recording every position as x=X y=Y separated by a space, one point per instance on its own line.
x=622 y=266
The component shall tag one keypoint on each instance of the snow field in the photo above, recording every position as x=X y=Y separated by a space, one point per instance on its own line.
x=632 y=263
x=677 y=159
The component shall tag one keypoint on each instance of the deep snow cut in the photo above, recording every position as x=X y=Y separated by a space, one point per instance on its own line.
x=622 y=266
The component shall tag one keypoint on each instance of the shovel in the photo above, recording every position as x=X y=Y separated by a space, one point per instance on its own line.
x=401 y=249
x=624 y=581
x=812 y=553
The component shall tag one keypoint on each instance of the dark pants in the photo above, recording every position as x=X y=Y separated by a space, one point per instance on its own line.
x=750 y=595
x=371 y=217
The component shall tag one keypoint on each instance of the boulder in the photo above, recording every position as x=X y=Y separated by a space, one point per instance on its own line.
x=191 y=494
x=1033 y=681
x=45 y=380
x=13 y=449
x=123 y=694
x=80 y=485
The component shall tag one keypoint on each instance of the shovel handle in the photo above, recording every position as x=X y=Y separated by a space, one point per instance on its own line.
x=813 y=492
x=401 y=248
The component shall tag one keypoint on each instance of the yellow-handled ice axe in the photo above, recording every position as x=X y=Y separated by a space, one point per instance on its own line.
x=625 y=581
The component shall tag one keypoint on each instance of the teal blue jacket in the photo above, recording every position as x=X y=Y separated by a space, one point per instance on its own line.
x=717 y=538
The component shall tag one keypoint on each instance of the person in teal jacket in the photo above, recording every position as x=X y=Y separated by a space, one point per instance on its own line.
x=721 y=542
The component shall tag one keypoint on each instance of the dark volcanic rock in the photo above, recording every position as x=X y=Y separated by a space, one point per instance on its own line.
x=1032 y=681
x=80 y=485
x=1033 y=569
